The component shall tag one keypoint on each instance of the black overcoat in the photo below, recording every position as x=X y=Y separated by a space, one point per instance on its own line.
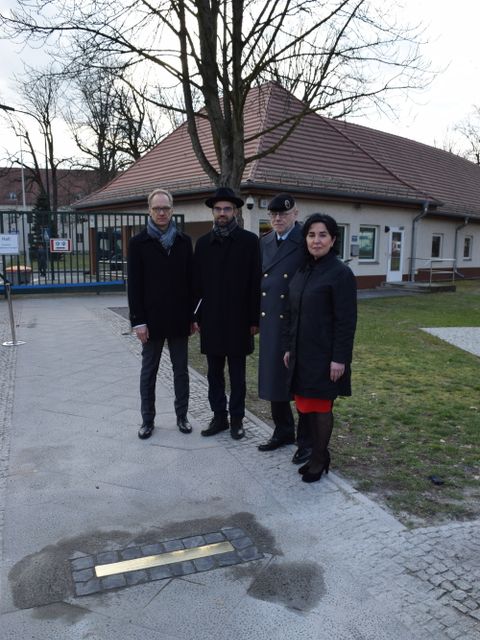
x=322 y=320
x=227 y=281
x=279 y=264
x=160 y=288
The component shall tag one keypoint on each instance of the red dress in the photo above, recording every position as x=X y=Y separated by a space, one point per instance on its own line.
x=313 y=405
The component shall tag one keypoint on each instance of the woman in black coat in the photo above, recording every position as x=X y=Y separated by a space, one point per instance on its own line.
x=319 y=343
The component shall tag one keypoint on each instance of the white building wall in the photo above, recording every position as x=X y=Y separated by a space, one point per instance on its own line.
x=353 y=217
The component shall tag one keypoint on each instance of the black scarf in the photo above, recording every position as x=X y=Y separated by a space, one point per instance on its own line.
x=226 y=230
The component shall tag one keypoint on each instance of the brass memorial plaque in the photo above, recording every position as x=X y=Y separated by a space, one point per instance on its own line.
x=171 y=557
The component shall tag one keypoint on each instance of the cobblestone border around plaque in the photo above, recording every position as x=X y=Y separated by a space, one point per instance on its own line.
x=83 y=567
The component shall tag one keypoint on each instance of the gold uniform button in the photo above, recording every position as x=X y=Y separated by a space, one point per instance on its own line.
x=263 y=314
x=281 y=316
x=285 y=275
x=263 y=293
x=265 y=275
x=282 y=296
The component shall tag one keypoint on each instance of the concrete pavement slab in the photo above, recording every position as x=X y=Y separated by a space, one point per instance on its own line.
x=75 y=480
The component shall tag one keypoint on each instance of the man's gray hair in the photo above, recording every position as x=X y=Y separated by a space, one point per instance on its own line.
x=155 y=192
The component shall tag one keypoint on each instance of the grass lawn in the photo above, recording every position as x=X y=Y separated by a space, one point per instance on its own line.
x=415 y=408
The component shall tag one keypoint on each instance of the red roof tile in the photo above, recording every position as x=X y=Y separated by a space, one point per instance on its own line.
x=321 y=156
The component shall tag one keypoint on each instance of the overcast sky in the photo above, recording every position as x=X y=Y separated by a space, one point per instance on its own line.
x=430 y=116
x=452 y=33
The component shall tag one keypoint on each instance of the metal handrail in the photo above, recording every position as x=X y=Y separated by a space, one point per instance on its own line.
x=430 y=262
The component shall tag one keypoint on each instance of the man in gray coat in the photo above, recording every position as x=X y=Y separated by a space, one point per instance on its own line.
x=282 y=253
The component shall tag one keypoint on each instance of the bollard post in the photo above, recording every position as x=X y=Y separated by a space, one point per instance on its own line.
x=13 y=342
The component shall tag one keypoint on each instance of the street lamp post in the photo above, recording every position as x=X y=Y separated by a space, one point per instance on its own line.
x=24 y=199
x=6 y=107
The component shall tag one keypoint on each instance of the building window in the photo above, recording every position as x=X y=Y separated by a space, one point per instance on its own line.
x=179 y=219
x=12 y=195
x=437 y=245
x=339 y=245
x=367 y=240
x=264 y=227
x=79 y=237
x=467 y=247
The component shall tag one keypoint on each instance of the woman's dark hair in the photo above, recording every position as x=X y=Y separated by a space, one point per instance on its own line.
x=328 y=221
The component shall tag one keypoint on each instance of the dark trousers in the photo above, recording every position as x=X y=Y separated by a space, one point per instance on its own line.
x=282 y=417
x=151 y=354
x=216 y=384
x=284 y=422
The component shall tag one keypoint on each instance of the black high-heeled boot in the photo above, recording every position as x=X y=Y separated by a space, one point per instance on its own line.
x=315 y=477
x=321 y=425
x=303 y=469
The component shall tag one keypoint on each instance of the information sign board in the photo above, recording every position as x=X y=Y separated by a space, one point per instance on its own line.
x=60 y=245
x=9 y=244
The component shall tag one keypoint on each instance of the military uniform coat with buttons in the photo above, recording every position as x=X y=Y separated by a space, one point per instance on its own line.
x=279 y=264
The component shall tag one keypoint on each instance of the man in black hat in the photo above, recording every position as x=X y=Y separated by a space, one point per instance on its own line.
x=227 y=294
x=282 y=253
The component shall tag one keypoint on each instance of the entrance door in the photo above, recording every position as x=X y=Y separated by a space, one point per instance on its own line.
x=395 y=255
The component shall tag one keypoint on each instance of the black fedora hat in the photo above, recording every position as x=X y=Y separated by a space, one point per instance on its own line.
x=224 y=193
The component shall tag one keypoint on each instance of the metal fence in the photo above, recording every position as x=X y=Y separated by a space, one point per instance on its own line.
x=67 y=250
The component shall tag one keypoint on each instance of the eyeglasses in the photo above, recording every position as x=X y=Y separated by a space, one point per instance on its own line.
x=161 y=209
x=280 y=214
x=222 y=209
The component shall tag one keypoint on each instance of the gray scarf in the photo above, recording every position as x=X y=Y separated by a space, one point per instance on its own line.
x=166 y=238
x=224 y=232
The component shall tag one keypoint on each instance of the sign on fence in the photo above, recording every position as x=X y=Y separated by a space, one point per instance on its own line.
x=60 y=245
x=9 y=244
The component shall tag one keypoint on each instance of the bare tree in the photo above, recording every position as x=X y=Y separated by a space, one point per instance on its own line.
x=39 y=90
x=110 y=122
x=90 y=115
x=139 y=128
x=32 y=171
x=469 y=130
x=336 y=55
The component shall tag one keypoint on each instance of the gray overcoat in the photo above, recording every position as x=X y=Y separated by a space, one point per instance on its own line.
x=279 y=264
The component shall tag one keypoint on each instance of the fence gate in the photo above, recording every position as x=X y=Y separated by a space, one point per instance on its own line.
x=68 y=251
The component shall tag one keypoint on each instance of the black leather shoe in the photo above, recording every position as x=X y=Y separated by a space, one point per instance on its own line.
x=236 y=428
x=275 y=443
x=184 y=425
x=145 y=431
x=217 y=423
x=302 y=454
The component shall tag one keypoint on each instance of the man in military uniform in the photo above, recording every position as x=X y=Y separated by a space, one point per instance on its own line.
x=282 y=253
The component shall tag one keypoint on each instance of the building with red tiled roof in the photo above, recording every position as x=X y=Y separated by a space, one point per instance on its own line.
x=400 y=204
x=73 y=184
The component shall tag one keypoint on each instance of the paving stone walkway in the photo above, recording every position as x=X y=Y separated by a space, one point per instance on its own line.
x=332 y=563
x=431 y=573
